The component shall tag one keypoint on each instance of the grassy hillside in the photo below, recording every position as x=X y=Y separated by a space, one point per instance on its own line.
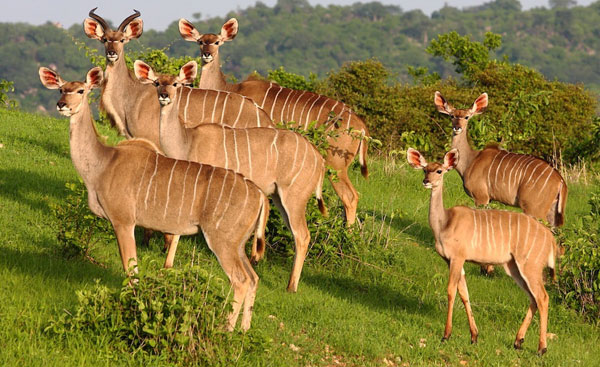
x=386 y=307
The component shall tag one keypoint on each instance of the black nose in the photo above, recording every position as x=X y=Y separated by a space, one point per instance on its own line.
x=207 y=54
x=111 y=53
x=61 y=104
x=425 y=181
x=164 y=95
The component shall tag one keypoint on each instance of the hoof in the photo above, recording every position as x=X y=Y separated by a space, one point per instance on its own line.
x=445 y=338
x=518 y=343
x=542 y=351
x=474 y=339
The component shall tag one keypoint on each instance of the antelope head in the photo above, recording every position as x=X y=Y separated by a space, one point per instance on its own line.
x=209 y=42
x=166 y=85
x=72 y=94
x=434 y=172
x=460 y=118
x=97 y=28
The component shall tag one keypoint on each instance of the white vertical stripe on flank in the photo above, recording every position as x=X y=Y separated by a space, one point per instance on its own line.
x=257 y=116
x=542 y=245
x=507 y=165
x=274 y=101
x=487 y=231
x=519 y=172
x=266 y=94
x=150 y=182
x=509 y=231
x=137 y=195
x=212 y=117
x=237 y=158
x=302 y=165
x=526 y=243
x=295 y=153
x=196 y=186
x=239 y=113
x=492 y=228
x=501 y=225
x=183 y=191
x=224 y=107
x=333 y=109
x=187 y=103
x=538 y=165
x=514 y=166
x=518 y=233
x=302 y=111
x=222 y=188
x=207 y=189
x=225 y=147
x=169 y=189
x=349 y=116
x=310 y=109
x=542 y=173
x=314 y=165
x=243 y=206
x=321 y=109
x=287 y=116
x=204 y=104
x=498 y=167
x=545 y=182
x=228 y=203
x=524 y=169
x=489 y=184
x=284 y=106
x=294 y=109
x=249 y=152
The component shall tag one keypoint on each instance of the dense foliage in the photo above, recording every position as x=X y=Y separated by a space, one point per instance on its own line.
x=560 y=42
x=176 y=314
x=579 y=277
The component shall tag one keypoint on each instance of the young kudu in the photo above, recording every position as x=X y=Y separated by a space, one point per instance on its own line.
x=134 y=184
x=132 y=106
x=282 y=163
x=516 y=240
x=285 y=104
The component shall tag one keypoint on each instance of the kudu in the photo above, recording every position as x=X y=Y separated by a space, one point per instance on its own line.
x=134 y=184
x=514 y=179
x=519 y=242
x=282 y=163
x=132 y=106
x=285 y=104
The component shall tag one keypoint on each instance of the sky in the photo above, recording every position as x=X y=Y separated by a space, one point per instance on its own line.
x=157 y=16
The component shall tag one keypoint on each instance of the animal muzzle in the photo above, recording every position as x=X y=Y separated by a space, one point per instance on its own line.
x=207 y=57
x=62 y=108
x=112 y=56
x=164 y=99
x=457 y=130
x=427 y=184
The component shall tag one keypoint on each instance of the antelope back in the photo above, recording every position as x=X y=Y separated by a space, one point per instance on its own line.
x=496 y=236
x=514 y=179
x=201 y=106
x=302 y=107
x=175 y=196
x=269 y=157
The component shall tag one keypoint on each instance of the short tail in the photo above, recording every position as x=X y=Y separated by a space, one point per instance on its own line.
x=259 y=235
x=319 y=195
x=552 y=257
x=561 y=205
x=362 y=156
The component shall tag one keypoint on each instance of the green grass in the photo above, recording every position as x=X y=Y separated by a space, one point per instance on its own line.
x=386 y=307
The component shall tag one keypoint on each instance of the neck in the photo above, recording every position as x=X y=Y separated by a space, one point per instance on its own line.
x=212 y=77
x=118 y=74
x=88 y=154
x=437 y=213
x=173 y=136
x=466 y=153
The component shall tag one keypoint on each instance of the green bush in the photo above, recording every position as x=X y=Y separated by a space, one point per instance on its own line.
x=5 y=88
x=176 y=314
x=77 y=229
x=293 y=81
x=579 y=276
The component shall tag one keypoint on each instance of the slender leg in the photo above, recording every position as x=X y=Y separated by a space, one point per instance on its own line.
x=251 y=293
x=347 y=193
x=301 y=233
x=513 y=270
x=455 y=268
x=147 y=236
x=127 y=249
x=464 y=295
x=171 y=249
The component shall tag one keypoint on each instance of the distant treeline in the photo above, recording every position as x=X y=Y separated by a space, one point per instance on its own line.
x=561 y=42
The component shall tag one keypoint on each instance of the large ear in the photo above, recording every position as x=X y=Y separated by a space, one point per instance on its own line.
x=144 y=72
x=94 y=78
x=134 y=29
x=50 y=79
x=188 y=72
x=93 y=29
x=451 y=159
x=442 y=105
x=229 y=30
x=188 y=31
x=480 y=104
x=415 y=159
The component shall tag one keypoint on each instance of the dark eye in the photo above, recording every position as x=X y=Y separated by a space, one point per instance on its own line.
x=122 y=40
x=467 y=117
x=217 y=43
x=156 y=84
x=175 y=84
x=60 y=90
x=103 y=40
x=439 y=171
x=80 y=91
x=200 y=42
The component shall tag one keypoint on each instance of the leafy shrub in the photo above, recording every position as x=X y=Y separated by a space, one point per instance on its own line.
x=293 y=81
x=579 y=276
x=5 y=88
x=78 y=230
x=177 y=314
